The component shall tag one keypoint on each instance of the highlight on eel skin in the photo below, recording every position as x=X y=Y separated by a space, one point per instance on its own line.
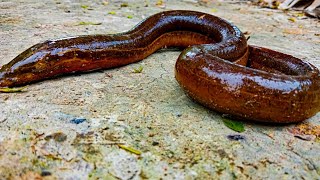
x=217 y=69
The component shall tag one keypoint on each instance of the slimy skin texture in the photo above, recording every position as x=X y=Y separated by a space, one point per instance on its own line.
x=217 y=69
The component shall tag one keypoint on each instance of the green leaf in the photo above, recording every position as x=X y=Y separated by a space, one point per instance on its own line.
x=89 y=23
x=234 y=125
x=11 y=90
x=112 y=12
x=129 y=16
x=84 y=6
x=138 y=70
x=214 y=10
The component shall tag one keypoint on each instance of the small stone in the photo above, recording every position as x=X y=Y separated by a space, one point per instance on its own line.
x=154 y=143
x=45 y=173
x=236 y=137
x=78 y=120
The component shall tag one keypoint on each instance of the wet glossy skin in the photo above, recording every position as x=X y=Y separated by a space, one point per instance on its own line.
x=273 y=87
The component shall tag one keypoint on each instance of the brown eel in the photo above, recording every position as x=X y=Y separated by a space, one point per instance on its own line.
x=217 y=69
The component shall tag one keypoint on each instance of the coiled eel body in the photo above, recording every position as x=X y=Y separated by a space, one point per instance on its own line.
x=217 y=69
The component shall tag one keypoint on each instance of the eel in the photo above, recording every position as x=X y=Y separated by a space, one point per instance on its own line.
x=217 y=68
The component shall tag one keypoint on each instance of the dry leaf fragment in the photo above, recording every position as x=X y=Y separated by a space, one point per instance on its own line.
x=306 y=131
x=201 y=17
x=292 y=19
x=293 y=31
x=12 y=90
x=130 y=149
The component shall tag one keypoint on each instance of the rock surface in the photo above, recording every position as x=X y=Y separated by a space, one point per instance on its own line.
x=71 y=127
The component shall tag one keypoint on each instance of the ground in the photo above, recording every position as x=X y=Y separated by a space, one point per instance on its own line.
x=117 y=124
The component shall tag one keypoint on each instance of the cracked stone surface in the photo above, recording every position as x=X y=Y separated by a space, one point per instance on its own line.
x=71 y=127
